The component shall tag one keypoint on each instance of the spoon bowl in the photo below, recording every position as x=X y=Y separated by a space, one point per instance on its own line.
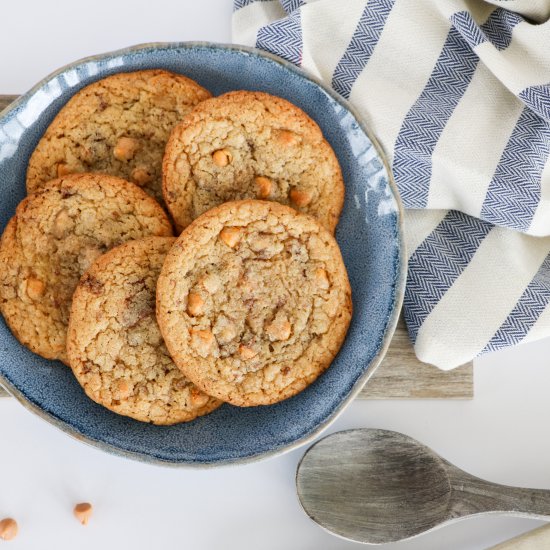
x=379 y=486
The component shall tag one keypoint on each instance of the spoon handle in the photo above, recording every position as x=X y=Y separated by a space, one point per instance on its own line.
x=471 y=495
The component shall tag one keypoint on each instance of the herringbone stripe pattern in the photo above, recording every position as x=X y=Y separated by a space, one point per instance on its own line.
x=464 y=23
x=438 y=262
x=537 y=98
x=527 y=310
x=505 y=189
x=515 y=189
x=283 y=38
x=238 y=4
x=448 y=82
x=497 y=29
x=291 y=5
x=426 y=120
x=357 y=54
x=499 y=26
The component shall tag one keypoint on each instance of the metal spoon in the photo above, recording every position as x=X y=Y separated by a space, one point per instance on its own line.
x=378 y=486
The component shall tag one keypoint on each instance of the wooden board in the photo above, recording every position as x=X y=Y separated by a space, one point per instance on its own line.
x=401 y=375
x=5 y=100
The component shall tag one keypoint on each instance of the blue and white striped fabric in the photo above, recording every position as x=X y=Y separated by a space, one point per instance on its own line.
x=458 y=93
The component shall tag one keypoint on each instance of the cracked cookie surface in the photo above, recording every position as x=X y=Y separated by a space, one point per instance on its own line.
x=118 y=125
x=114 y=344
x=53 y=238
x=250 y=145
x=254 y=302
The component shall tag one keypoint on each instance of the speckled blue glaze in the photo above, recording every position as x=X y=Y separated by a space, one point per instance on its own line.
x=369 y=233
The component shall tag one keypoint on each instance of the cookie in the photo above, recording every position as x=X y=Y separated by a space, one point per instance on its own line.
x=114 y=344
x=118 y=125
x=53 y=238
x=250 y=145
x=253 y=302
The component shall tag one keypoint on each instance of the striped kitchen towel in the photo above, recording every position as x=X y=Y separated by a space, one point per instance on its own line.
x=458 y=93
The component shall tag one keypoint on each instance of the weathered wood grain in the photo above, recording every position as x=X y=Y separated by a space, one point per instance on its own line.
x=379 y=486
x=369 y=486
x=401 y=375
x=5 y=100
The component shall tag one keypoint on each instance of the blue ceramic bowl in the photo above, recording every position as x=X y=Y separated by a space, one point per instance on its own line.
x=369 y=233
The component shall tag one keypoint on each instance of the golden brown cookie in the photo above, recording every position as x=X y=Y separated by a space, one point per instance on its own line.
x=118 y=125
x=53 y=238
x=250 y=145
x=114 y=343
x=253 y=302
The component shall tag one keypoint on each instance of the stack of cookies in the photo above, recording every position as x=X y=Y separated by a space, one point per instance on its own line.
x=249 y=305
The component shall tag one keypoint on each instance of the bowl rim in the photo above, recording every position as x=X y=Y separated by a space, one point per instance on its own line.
x=399 y=283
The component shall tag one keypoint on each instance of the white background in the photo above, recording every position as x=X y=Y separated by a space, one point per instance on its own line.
x=501 y=435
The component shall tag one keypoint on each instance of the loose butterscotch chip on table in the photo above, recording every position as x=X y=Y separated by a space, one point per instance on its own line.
x=250 y=145
x=8 y=529
x=253 y=302
x=55 y=235
x=83 y=512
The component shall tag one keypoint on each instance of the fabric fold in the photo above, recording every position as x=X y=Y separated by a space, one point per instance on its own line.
x=458 y=94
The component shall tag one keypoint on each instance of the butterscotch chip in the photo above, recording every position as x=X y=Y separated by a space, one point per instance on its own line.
x=8 y=529
x=125 y=148
x=269 y=329
x=202 y=341
x=55 y=235
x=63 y=170
x=123 y=389
x=230 y=236
x=300 y=198
x=83 y=512
x=279 y=329
x=118 y=125
x=221 y=158
x=199 y=398
x=321 y=278
x=35 y=288
x=287 y=138
x=263 y=187
x=248 y=145
x=246 y=352
x=114 y=344
x=195 y=304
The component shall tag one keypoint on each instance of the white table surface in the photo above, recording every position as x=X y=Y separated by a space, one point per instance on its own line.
x=501 y=435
